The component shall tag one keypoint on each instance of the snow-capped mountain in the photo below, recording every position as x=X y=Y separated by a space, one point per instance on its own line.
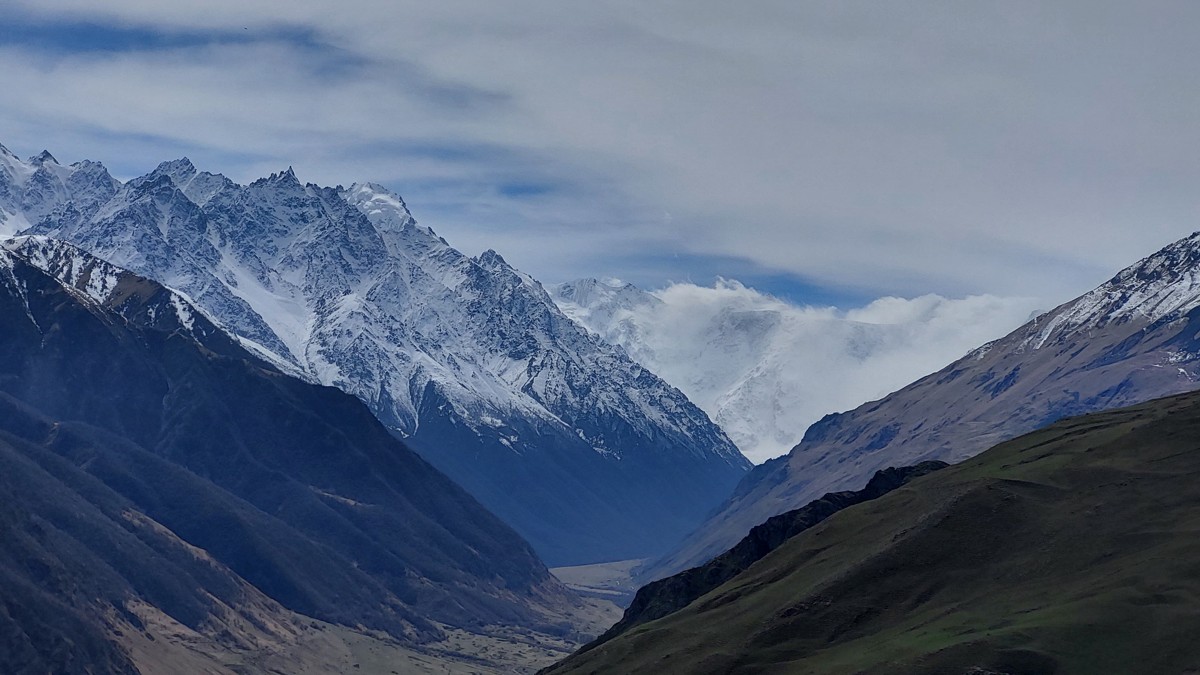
x=1132 y=339
x=103 y=283
x=587 y=454
x=31 y=190
x=160 y=484
x=765 y=369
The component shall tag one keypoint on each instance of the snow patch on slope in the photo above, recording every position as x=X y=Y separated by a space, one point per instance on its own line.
x=1163 y=284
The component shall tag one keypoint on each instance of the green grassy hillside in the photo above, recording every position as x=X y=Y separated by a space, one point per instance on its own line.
x=1074 y=549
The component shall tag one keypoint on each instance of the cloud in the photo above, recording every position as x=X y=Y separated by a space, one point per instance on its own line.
x=1018 y=149
x=765 y=369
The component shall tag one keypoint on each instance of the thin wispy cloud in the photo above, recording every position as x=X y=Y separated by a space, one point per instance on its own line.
x=853 y=148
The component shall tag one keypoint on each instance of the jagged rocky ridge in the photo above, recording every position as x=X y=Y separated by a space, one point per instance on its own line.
x=666 y=596
x=156 y=471
x=1132 y=339
x=588 y=455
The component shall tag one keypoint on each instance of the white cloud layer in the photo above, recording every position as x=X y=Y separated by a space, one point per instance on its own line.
x=1018 y=148
x=765 y=369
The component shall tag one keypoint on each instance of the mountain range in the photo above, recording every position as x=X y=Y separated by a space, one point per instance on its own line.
x=467 y=359
x=1131 y=339
x=167 y=494
x=280 y=427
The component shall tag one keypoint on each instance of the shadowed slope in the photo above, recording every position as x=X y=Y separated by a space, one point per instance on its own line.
x=82 y=566
x=294 y=488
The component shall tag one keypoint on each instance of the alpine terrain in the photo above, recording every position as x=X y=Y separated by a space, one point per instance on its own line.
x=1069 y=550
x=585 y=453
x=173 y=503
x=1132 y=339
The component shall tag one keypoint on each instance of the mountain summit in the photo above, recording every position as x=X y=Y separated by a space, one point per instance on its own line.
x=588 y=455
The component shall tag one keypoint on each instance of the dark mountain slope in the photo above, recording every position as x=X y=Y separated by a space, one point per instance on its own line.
x=1132 y=339
x=294 y=487
x=41 y=629
x=1073 y=549
x=80 y=565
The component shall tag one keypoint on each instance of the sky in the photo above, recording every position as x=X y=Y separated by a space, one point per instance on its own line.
x=823 y=152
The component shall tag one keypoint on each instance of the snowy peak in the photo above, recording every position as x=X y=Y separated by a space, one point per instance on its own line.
x=135 y=298
x=155 y=203
x=11 y=166
x=43 y=157
x=181 y=171
x=282 y=178
x=606 y=296
x=13 y=171
x=88 y=174
x=610 y=308
x=495 y=264
x=1162 y=286
x=416 y=246
x=199 y=187
x=31 y=191
x=384 y=208
x=468 y=358
x=306 y=232
x=490 y=260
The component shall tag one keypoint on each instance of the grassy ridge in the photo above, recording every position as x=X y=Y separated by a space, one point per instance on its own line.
x=1073 y=549
x=660 y=598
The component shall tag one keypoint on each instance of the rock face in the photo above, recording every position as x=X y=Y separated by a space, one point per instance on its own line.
x=1069 y=550
x=666 y=596
x=152 y=463
x=588 y=455
x=1132 y=339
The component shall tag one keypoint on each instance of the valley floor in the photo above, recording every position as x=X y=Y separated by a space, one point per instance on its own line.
x=609 y=581
x=314 y=647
